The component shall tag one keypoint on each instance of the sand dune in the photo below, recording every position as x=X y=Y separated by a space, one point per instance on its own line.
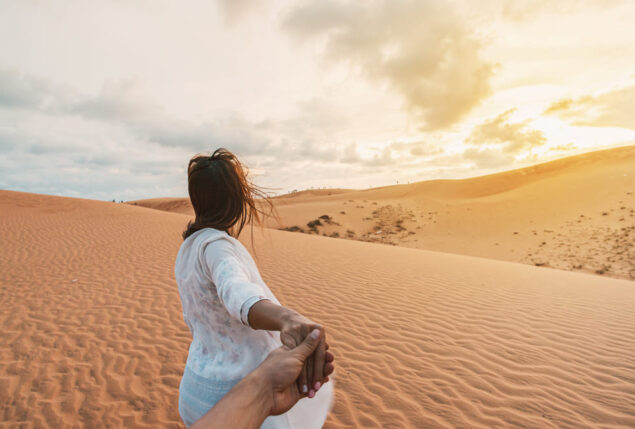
x=92 y=333
x=576 y=213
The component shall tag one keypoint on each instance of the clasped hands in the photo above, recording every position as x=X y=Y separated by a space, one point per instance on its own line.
x=319 y=365
x=270 y=389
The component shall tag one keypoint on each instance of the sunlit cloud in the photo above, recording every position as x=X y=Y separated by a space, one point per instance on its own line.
x=610 y=109
x=509 y=137
x=416 y=148
x=519 y=10
x=487 y=158
x=423 y=49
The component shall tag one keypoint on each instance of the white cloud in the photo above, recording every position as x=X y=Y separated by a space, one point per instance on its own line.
x=519 y=10
x=609 y=109
x=234 y=10
x=488 y=158
x=510 y=137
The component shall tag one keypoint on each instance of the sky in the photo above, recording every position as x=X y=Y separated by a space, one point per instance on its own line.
x=109 y=100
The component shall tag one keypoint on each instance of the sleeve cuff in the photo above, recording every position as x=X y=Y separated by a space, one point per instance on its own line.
x=244 y=309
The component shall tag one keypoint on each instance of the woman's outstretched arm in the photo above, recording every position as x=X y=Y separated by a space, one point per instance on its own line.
x=294 y=328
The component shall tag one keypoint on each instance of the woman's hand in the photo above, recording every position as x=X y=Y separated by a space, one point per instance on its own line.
x=293 y=331
x=293 y=328
x=283 y=367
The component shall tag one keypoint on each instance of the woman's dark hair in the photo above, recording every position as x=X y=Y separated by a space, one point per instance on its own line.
x=222 y=195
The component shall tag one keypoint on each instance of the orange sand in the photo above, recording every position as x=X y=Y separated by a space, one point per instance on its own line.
x=92 y=332
x=576 y=213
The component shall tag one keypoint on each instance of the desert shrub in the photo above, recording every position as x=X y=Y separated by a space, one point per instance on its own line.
x=327 y=219
x=314 y=224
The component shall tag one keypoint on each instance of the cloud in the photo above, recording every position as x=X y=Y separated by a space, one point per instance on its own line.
x=416 y=148
x=123 y=103
x=382 y=159
x=408 y=154
x=310 y=133
x=488 y=158
x=349 y=154
x=234 y=10
x=18 y=90
x=511 y=138
x=423 y=49
x=118 y=101
x=610 y=109
x=66 y=154
x=117 y=143
x=116 y=129
x=519 y=10
x=564 y=147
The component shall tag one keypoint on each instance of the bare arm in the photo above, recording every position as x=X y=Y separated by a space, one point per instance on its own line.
x=266 y=315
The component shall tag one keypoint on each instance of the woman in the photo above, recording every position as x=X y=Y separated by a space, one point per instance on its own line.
x=227 y=306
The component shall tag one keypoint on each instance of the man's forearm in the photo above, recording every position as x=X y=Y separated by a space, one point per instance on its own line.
x=247 y=405
x=268 y=316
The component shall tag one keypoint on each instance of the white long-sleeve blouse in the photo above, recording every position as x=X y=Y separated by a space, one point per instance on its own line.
x=218 y=282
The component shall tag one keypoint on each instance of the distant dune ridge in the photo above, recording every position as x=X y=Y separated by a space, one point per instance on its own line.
x=174 y=205
x=575 y=213
x=93 y=336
